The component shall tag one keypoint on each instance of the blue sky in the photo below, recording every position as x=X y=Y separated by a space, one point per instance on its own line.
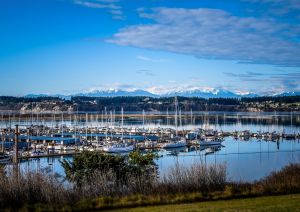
x=72 y=46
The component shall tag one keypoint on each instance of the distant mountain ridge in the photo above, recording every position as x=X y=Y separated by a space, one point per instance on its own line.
x=208 y=94
x=116 y=92
x=48 y=95
x=211 y=93
x=288 y=94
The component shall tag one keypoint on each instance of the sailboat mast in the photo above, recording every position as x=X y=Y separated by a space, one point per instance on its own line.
x=167 y=116
x=122 y=122
x=191 y=116
x=62 y=124
x=176 y=111
x=143 y=119
x=86 y=127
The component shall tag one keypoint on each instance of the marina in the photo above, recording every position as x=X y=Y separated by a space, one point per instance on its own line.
x=245 y=160
x=41 y=140
x=115 y=105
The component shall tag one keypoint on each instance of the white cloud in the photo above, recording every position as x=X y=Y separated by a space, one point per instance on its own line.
x=140 y=57
x=290 y=4
x=96 y=5
x=278 y=8
x=270 y=82
x=107 y=1
x=145 y=72
x=215 y=34
x=110 y=5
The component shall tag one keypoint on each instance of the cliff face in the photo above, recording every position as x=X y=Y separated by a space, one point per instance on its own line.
x=45 y=107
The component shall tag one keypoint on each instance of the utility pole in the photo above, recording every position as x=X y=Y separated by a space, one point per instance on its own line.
x=2 y=138
x=15 y=159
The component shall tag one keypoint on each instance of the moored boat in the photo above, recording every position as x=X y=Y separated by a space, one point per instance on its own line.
x=175 y=143
x=118 y=148
x=210 y=142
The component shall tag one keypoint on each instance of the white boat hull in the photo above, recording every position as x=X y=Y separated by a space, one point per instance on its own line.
x=174 y=145
x=69 y=148
x=114 y=149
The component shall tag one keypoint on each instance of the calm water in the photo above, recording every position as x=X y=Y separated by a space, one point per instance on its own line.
x=245 y=160
x=288 y=122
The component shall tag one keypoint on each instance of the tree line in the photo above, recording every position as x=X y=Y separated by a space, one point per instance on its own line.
x=139 y=103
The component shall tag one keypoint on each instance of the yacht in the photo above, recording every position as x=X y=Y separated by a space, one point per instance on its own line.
x=118 y=148
x=174 y=143
x=213 y=142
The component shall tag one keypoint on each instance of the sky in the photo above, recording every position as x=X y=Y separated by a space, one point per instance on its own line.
x=74 y=46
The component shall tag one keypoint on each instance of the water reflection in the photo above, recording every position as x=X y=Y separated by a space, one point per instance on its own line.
x=245 y=160
x=218 y=120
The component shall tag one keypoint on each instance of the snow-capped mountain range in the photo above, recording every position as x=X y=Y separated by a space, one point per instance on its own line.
x=208 y=94
x=288 y=94
x=117 y=92
x=203 y=93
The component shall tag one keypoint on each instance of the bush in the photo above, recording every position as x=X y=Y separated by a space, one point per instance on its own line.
x=197 y=178
x=285 y=181
x=102 y=186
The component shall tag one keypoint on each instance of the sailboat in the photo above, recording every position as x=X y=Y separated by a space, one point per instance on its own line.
x=119 y=147
x=177 y=141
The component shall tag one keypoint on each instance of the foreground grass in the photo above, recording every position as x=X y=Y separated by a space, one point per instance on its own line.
x=270 y=203
x=97 y=186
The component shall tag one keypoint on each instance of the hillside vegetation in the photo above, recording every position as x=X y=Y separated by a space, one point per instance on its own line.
x=79 y=103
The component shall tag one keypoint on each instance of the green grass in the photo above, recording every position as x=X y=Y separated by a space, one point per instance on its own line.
x=270 y=203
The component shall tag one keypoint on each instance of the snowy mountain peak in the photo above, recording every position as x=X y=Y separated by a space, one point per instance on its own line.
x=157 y=92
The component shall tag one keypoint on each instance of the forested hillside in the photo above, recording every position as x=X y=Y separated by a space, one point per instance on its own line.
x=80 y=103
